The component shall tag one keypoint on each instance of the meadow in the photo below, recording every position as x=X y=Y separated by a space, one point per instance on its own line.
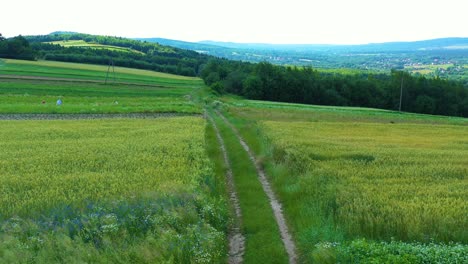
x=364 y=185
x=120 y=190
x=81 y=89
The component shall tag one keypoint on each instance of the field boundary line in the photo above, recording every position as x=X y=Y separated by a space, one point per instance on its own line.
x=236 y=238
x=91 y=116
x=274 y=202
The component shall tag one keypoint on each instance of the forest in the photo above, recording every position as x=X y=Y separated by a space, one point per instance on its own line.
x=265 y=81
x=15 y=48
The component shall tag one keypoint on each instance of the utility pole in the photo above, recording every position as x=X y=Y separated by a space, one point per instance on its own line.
x=401 y=92
x=111 y=63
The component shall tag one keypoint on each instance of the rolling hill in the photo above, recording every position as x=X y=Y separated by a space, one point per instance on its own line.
x=85 y=48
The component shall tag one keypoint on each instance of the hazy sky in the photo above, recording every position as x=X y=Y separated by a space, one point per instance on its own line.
x=285 y=21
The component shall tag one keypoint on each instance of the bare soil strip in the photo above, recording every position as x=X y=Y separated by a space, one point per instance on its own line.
x=88 y=116
x=236 y=239
x=55 y=79
x=275 y=204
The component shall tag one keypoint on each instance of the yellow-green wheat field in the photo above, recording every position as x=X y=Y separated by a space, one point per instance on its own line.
x=402 y=181
x=45 y=164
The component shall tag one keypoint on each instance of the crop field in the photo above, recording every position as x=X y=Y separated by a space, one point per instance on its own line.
x=81 y=90
x=28 y=96
x=120 y=191
x=84 y=44
x=114 y=190
x=364 y=185
x=93 y=72
x=356 y=185
x=264 y=110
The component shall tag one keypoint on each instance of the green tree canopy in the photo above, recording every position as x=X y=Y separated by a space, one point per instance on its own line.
x=16 y=48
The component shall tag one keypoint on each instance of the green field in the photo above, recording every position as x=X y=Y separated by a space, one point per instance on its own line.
x=107 y=190
x=357 y=185
x=84 y=44
x=364 y=185
x=134 y=91
x=93 y=72
x=264 y=110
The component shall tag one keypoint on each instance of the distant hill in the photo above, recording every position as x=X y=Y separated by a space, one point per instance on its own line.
x=218 y=46
x=196 y=46
x=445 y=57
x=443 y=43
x=63 y=33
x=95 y=49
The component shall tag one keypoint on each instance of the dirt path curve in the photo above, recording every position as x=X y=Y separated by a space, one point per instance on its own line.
x=88 y=116
x=56 y=79
x=275 y=204
x=236 y=239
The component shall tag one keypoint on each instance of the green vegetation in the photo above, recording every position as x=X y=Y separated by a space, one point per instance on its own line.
x=264 y=81
x=357 y=185
x=82 y=43
x=362 y=58
x=372 y=87
x=93 y=72
x=121 y=191
x=264 y=110
x=141 y=91
x=362 y=185
x=15 y=48
x=123 y=52
x=458 y=72
x=263 y=242
x=401 y=193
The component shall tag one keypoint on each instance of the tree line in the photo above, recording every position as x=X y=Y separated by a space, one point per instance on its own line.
x=265 y=81
x=16 y=48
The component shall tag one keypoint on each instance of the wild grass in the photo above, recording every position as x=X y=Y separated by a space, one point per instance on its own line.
x=120 y=191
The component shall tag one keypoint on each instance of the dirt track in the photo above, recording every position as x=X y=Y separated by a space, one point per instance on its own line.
x=236 y=239
x=87 y=116
x=73 y=80
x=275 y=204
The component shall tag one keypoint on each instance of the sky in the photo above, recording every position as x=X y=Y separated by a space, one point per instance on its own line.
x=247 y=21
